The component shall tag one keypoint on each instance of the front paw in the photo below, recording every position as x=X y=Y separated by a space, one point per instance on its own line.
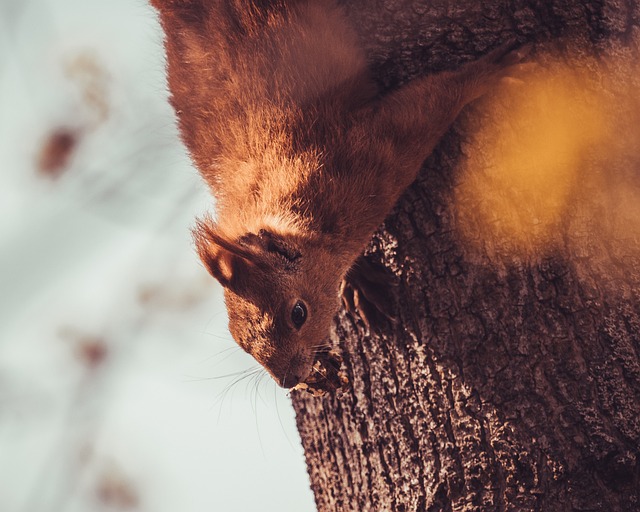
x=367 y=290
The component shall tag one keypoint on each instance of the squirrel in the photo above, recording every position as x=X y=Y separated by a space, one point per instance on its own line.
x=304 y=156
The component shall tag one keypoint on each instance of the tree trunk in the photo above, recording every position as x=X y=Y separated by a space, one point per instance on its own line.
x=511 y=380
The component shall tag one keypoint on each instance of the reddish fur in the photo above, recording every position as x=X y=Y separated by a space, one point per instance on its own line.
x=276 y=106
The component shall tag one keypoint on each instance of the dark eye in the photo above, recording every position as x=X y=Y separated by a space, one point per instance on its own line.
x=299 y=314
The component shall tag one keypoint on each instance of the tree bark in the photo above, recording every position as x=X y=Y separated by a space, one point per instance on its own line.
x=511 y=380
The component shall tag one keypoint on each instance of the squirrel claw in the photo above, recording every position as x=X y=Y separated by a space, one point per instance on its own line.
x=348 y=296
x=507 y=54
x=499 y=65
x=365 y=291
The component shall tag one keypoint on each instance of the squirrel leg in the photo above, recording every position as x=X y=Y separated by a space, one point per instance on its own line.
x=479 y=77
x=412 y=119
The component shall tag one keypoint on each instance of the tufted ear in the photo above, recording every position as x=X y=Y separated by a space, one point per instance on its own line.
x=165 y=5
x=225 y=260
x=189 y=11
x=232 y=261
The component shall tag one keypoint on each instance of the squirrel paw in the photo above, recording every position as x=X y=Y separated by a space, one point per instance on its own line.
x=366 y=291
x=501 y=65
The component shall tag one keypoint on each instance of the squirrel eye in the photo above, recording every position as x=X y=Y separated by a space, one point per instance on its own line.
x=299 y=314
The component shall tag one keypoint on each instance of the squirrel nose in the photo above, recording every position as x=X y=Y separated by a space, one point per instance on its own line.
x=297 y=370
x=290 y=381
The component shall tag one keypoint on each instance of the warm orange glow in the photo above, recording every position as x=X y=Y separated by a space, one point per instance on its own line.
x=547 y=148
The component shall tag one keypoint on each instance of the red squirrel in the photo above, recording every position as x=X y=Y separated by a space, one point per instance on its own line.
x=305 y=158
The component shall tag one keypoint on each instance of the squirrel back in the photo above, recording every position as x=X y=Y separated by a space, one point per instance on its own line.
x=246 y=77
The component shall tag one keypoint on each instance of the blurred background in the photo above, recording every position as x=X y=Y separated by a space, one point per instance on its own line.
x=120 y=386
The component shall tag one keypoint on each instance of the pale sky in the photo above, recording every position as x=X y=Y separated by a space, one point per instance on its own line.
x=114 y=353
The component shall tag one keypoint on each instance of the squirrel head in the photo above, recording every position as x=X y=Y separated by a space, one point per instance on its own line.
x=281 y=295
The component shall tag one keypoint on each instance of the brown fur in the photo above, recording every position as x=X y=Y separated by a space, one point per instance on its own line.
x=304 y=158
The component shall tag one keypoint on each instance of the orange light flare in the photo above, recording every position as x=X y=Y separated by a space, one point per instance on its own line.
x=554 y=162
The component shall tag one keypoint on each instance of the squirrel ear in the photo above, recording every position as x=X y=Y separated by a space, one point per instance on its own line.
x=165 y=5
x=268 y=242
x=190 y=11
x=225 y=260
x=221 y=264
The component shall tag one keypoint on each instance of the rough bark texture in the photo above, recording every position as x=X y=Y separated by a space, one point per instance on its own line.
x=510 y=382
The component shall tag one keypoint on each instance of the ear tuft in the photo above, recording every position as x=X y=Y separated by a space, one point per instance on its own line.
x=189 y=11
x=166 y=5
x=224 y=259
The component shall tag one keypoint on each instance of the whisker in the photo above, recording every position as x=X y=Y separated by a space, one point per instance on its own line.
x=323 y=347
x=255 y=412
x=218 y=336
x=220 y=352
x=231 y=352
x=284 y=430
x=259 y=382
x=248 y=373
x=240 y=377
